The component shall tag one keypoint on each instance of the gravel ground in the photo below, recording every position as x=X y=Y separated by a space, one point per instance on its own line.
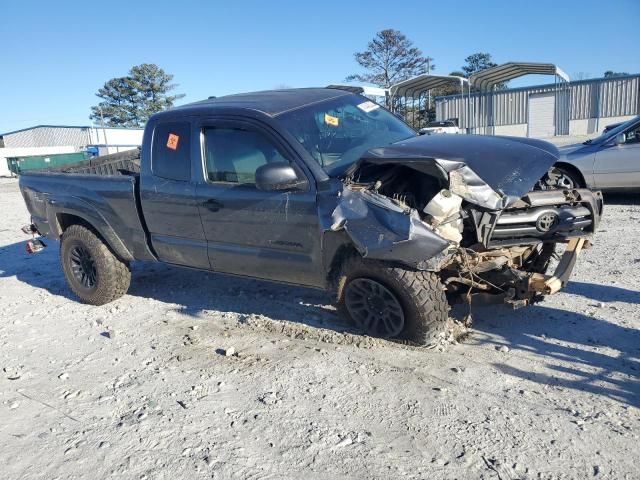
x=150 y=386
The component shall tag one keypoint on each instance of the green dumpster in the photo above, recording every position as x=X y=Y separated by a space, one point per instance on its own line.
x=37 y=162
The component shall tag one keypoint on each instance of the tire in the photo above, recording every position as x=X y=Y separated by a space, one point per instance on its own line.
x=94 y=274
x=420 y=296
x=561 y=178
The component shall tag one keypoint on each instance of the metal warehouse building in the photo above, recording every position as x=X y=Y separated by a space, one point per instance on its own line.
x=60 y=139
x=116 y=139
x=563 y=108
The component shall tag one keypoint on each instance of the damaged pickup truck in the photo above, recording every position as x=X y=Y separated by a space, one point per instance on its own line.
x=321 y=188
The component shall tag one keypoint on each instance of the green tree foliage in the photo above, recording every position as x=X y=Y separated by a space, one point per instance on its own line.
x=477 y=62
x=390 y=58
x=130 y=101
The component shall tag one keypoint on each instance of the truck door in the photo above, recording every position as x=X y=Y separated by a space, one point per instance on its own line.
x=168 y=197
x=271 y=235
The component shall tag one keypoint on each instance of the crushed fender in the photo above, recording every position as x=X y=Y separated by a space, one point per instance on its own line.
x=383 y=230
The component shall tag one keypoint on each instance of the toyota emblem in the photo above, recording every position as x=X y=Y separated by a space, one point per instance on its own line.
x=546 y=221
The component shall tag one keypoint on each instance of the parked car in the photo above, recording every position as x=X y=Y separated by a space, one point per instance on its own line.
x=610 y=162
x=321 y=188
x=611 y=127
x=440 y=126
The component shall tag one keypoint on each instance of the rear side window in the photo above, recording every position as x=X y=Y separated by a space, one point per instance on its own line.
x=170 y=152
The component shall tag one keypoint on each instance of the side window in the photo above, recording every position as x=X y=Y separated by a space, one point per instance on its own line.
x=234 y=155
x=633 y=135
x=170 y=152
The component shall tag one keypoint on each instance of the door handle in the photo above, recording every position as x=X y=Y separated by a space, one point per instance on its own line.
x=212 y=205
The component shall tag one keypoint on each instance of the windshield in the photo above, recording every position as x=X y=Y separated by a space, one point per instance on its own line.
x=339 y=131
x=613 y=132
x=440 y=124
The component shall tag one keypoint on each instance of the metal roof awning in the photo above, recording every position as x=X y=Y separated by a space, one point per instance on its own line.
x=485 y=79
x=422 y=83
x=361 y=89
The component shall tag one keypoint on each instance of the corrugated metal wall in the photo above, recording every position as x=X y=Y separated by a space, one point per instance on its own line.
x=606 y=97
x=47 y=137
x=78 y=137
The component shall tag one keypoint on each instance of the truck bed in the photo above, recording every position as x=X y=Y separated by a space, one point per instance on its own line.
x=103 y=192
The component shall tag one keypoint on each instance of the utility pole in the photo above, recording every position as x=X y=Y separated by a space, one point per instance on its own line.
x=104 y=131
x=429 y=92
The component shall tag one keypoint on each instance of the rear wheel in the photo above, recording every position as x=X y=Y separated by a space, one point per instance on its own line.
x=94 y=274
x=392 y=302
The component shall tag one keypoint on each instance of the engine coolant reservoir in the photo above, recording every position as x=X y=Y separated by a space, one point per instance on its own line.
x=445 y=207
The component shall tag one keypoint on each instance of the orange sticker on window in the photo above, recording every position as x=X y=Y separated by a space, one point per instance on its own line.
x=172 y=141
x=330 y=120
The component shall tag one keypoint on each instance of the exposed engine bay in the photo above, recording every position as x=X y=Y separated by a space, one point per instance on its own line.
x=424 y=216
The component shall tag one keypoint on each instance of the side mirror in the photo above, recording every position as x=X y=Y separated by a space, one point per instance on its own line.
x=620 y=139
x=279 y=176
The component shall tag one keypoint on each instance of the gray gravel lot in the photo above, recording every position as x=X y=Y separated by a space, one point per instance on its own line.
x=145 y=387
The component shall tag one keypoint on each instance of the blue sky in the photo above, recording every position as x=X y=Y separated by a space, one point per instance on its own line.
x=56 y=54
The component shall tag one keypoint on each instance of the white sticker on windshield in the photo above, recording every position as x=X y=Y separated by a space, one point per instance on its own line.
x=368 y=106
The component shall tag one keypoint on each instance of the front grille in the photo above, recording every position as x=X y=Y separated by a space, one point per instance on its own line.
x=540 y=217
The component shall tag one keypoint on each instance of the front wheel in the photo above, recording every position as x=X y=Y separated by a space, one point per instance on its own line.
x=92 y=271
x=392 y=302
x=559 y=178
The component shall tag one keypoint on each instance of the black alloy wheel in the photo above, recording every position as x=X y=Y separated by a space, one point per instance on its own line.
x=83 y=267
x=375 y=309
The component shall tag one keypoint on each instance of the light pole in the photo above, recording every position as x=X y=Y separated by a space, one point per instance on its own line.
x=104 y=131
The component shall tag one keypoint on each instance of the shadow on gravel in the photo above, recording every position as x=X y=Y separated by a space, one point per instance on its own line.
x=621 y=199
x=582 y=353
x=603 y=293
x=192 y=290
x=197 y=291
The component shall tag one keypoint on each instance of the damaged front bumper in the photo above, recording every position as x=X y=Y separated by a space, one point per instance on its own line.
x=549 y=284
x=536 y=223
x=494 y=264
x=547 y=216
x=463 y=208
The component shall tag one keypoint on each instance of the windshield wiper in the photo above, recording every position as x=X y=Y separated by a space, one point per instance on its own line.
x=588 y=142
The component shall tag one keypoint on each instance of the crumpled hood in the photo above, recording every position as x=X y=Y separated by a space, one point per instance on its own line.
x=490 y=171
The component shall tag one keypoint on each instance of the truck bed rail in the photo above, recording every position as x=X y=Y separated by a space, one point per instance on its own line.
x=121 y=163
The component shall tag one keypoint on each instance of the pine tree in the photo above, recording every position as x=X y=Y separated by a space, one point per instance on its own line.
x=130 y=101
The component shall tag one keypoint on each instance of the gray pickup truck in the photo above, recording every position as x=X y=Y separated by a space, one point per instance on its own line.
x=321 y=188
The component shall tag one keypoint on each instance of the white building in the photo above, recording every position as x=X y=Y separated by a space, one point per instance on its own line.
x=52 y=139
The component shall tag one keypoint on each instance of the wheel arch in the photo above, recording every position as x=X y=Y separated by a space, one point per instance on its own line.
x=572 y=169
x=334 y=264
x=65 y=219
